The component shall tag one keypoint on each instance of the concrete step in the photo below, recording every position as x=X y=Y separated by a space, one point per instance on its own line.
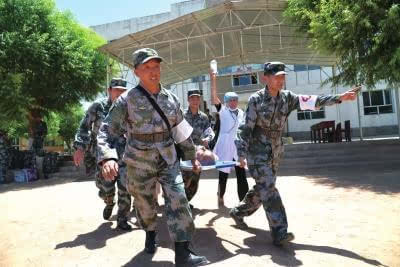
x=76 y=174
x=347 y=158
x=344 y=151
x=70 y=168
x=393 y=163
x=342 y=145
x=67 y=163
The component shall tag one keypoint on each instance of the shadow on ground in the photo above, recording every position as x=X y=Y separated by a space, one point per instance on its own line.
x=261 y=244
x=95 y=239
x=222 y=212
x=41 y=183
x=384 y=180
x=206 y=242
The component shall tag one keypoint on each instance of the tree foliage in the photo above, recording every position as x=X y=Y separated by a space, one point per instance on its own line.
x=69 y=122
x=48 y=62
x=363 y=34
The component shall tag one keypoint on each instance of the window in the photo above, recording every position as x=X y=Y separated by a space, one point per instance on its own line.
x=310 y=115
x=245 y=79
x=198 y=79
x=377 y=102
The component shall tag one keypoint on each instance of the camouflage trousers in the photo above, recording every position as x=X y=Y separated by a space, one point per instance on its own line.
x=142 y=185
x=3 y=172
x=107 y=192
x=264 y=192
x=37 y=144
x=90 y=163
x=191 y=181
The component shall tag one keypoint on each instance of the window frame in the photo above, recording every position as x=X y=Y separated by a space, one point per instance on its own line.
x=377 y=107
x=308 y=114
x=251 y=74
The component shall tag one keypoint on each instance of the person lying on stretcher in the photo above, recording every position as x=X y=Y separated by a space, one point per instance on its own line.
x=207 y=159
x=205 y=156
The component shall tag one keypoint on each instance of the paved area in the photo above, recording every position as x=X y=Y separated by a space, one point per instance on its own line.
x=339 y=218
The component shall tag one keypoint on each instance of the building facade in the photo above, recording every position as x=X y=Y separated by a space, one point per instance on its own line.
x=375 y=112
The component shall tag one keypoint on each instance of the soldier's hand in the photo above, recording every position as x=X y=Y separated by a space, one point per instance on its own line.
x=196 y=166
x=78 y=157
x=109 y=170
x=243 y=162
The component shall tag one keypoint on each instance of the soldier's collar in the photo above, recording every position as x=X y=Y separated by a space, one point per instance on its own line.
x=189 y=111
x=163 y=91
x=268 y=95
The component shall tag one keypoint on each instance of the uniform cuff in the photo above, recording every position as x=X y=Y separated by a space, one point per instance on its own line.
x=108 y=155
x=79 y=146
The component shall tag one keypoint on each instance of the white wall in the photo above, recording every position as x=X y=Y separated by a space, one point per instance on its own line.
x=118 y=29
x=307 y=83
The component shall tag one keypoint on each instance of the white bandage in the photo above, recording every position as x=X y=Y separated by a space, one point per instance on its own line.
x=307 y=102
x=182 y=131
x=208 y=132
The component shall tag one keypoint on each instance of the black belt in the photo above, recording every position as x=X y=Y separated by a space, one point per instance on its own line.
x=270 y=133
x=152 y=138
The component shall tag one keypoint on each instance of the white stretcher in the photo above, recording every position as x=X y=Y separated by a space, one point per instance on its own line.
x=187 y=165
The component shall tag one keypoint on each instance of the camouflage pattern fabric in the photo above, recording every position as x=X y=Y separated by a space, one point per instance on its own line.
x=142 y=185
x=90 y=163
x=260 y=141
x=200 y=124
x=39 y=134
x=86 y=139
x=191 y=181
x=201 y=130
x=148 y=162
x=4 y=158
x=107 y=192
x=50 y=163
x=86 y=136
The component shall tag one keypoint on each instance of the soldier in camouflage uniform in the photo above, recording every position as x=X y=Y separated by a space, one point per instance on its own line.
x=259 y=141
x=39 y=134
x=151 y=156
x=86 y=144
x=4 y=156
x=202 y=134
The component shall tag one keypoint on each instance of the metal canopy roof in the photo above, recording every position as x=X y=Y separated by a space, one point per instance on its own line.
x=234 y=33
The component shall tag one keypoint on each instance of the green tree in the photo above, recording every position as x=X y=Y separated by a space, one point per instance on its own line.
x=69 y=123
x=363 y=34
x=48 y=62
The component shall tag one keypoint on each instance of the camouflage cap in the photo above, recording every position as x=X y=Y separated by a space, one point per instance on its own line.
x=192 y=92
x=274 y=68
x=118 y=83
x=143 y=55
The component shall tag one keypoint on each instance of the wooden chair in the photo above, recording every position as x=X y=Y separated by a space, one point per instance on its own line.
x=338 y=132
x=346 y=131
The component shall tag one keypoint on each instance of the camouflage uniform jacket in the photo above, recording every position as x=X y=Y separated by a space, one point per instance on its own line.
x=259 y=136
x=4 y=151
x=133 y=112
x=40 y=130
x=201 y=126
x=86 y=137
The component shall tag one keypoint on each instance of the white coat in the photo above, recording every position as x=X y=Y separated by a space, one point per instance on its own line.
x=225 y=147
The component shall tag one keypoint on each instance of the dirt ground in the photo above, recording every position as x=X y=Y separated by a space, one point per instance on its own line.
x=348 y=219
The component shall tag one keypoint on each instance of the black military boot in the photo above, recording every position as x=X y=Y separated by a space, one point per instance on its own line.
x=280 y=239
x=109 y=200
x=122 y=224
x=184 y=257
x=108 y=211
x=150 y=245
x=240 y=224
